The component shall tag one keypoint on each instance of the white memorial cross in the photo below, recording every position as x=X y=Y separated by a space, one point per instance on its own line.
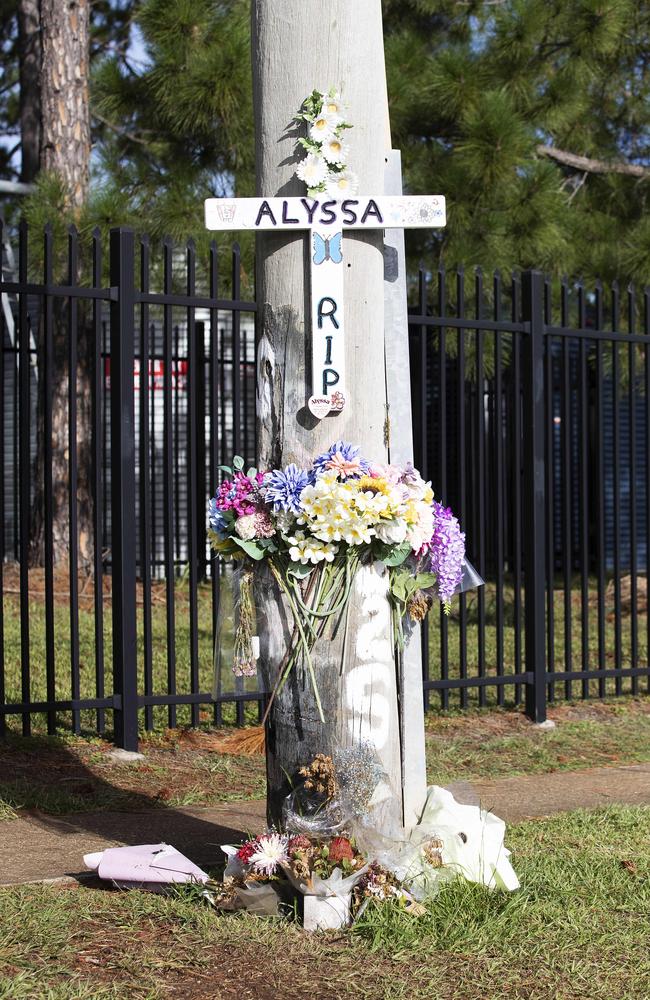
x=326 y=219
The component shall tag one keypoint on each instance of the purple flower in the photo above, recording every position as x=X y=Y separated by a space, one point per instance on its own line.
x=238 y=493
x=344 y=459
x=446 y=552
x=283 y=488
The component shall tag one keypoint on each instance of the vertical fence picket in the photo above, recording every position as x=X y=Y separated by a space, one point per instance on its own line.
x=125 y=664
x=534 y=490
x=550 y=492
x=168 y=483
x=217 y=405
x=600 y=464
x=583 y=465
x=462 y=502
x=441 y=471
x=646 y=390
x=73 y=473
x=192 y=433
x=25 y=478
x=634 y=623
x=97 y=381
x=48 y=487
x=424 y=450
x=516 y=478
x=567 y=508
x=498 y=490
x=479 y=500
x=616 y=471
x=146 y=487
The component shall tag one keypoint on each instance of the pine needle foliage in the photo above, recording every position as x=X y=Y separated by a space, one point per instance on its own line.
x=476 y=89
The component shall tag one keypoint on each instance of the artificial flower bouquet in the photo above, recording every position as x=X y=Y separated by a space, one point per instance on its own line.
x=314 y=527
x=324 y=169
x=344 y=863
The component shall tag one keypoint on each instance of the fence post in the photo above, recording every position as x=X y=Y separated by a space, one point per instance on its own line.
x=533 y=521
x=123 y=526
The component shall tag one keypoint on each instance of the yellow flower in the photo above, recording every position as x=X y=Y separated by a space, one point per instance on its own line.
x=369 y=484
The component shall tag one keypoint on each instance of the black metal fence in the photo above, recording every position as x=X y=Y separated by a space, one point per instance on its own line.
x=531 y=417
x=167 y=382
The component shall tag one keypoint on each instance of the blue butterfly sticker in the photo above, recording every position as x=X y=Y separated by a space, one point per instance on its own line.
x=328 y=248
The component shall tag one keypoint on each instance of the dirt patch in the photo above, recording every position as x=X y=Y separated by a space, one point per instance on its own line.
x=11 y=588
x=506 y=722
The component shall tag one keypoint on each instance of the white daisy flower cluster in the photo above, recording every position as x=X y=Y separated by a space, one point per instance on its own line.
x=324 y=168
x=356 y=510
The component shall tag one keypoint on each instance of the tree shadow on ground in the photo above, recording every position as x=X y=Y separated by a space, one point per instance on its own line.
x=62 y=798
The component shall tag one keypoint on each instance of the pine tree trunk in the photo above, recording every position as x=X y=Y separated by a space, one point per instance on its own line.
x=64 y=95
x=29 y=48
x=65 y=151
x=299 y=45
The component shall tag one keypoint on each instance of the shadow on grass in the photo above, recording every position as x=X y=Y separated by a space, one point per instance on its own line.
x=61 y=798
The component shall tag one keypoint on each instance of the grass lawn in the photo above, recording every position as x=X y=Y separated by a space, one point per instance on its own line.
x=578 y=929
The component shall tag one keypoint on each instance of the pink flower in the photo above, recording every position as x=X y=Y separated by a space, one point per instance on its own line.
x=234 y=494
x=344 y=467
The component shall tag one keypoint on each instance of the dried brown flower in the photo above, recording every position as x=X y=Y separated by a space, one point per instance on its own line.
x=418 y=605
x=320 y=776
x=432 y=852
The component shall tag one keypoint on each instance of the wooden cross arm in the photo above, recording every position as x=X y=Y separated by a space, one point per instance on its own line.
x=323 y=213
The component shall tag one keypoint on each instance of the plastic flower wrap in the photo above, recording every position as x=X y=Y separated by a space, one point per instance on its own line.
x=314 y=525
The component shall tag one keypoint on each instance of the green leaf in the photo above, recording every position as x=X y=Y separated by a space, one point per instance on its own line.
x=399 y=585
x=299 y=571
x=225 y=468
x=252 y=472
x=238 y=463
x=395 y=555
x=253 y=549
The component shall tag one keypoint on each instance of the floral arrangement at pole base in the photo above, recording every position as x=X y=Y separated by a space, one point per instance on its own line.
x=337 y=875
x=314 y=526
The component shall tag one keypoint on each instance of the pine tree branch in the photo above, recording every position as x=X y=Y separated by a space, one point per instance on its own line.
x=122 y=132
x=590 y=166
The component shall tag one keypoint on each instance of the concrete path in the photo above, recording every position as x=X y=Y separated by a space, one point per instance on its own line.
x=38 y=847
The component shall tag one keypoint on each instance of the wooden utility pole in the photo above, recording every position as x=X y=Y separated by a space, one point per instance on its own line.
x=299 y=45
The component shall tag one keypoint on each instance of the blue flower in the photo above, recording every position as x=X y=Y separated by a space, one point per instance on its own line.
x=283 y=488
x=217 y=519
x=338 y=457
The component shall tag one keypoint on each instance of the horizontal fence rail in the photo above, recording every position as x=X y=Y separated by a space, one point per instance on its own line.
x=128 y=378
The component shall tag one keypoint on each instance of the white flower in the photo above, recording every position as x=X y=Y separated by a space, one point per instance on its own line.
x=324 y=126
x=335 y=150
x=342 y=184
x=333 y=105
x=245 y=527
x=312 y=170
x=392 y=532
x=271 y=852
x=421 y=529
x=305 y=549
